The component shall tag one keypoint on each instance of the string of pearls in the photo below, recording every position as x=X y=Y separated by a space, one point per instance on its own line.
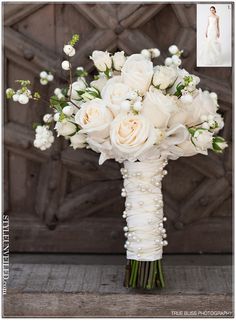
x=145 y=230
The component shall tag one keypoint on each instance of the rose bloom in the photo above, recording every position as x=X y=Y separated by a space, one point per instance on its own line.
x=131 y=135
x=99 y=84
x=94 y=118
x=137 y=73
x=78 y=140
x=158 y=108
x=118 y=60
x=202 y=139
x=101 y=60
x=114 y=93
x=164 y=76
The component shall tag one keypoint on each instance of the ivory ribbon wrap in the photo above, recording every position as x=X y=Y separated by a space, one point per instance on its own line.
x=144 y=209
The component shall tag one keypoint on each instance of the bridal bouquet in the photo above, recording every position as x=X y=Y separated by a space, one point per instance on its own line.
x=141 y=115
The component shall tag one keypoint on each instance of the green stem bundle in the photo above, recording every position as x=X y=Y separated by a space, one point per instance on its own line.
x=144 y=274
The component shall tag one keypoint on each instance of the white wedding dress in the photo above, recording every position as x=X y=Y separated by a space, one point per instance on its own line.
x=210 y=54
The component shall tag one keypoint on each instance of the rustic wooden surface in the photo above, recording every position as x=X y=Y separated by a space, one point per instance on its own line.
x=97 y=291
x=61 y=200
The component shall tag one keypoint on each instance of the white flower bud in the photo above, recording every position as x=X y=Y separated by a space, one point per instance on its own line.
x=78 y=140
x=65 y=65
x=118 y=60
x=168 y=61
x=213 y=95
x=43 y=75
x=80 y=68
x=47 y=118
x=23 y=99
x=146 y=53
x=173 y=49
x=69 y=50
x=125 y=105
x=68 y=110
x=43 y=81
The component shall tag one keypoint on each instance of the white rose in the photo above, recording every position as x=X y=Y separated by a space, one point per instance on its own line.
x=101 y=60
x=118 y=60
x=131 y=135
x=76 y=86
x=188 y=148
x=69 y=50
x=94 y=118
x=65 y=128
x=137 y=73
x=99 y=84
x=114 y=93
x=202 y=104
x=78 y=140
x=202 y=139
x=164 y=76
x=157 y=108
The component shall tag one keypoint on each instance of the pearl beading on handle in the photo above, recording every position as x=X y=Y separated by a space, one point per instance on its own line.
x=145 y=230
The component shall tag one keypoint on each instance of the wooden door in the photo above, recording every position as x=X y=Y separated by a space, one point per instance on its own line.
x=61 y=200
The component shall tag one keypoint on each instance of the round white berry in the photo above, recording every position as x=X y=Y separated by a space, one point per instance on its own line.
x=213 y=95
x=173 y=49
x=146 y=53
x=43 y=75
x=68 y=110
x=69 y=50
x=56 y=117
x=43 y=81
x=57 y=91
x=47 y=118
x=50 y=77
x=155 y=52
x=15 y=97
x=168 y=61
x=176 y=60
x=23 y=99
x=138 y=105
x=65 y=65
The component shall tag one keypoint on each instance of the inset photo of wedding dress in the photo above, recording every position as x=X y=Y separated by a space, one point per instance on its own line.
x=214 y=39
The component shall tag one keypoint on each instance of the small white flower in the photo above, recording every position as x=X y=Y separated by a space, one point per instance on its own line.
x=65 y=128
x=23 y=99
x=78 y=140
x=43 y=75
x=168 y=61
x=222 y=145
x=47 y=118
x=43 y=81
x=65 y=65
x=125 y=105
x=68 y=110
x=173 y=49
x=80 y=68
x=146 y=53
x=202 y=139
x=69 y=50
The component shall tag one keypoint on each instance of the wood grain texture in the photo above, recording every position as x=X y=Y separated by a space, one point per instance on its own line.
x=97 y=291
x=60 y=200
